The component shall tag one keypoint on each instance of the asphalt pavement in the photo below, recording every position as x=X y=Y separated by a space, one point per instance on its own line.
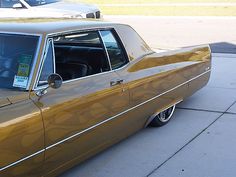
x=177 y=32
x=200 y=140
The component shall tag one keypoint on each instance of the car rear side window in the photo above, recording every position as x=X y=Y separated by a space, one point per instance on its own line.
x=114 y=48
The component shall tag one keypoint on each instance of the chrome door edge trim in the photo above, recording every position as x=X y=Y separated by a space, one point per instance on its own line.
x=21 y=160
x=94 y=126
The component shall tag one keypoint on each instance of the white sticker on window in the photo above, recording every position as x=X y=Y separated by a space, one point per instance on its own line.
x=20 y=81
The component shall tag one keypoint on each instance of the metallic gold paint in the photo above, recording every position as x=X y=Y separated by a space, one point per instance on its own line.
x=22 y=134
x=29 y=124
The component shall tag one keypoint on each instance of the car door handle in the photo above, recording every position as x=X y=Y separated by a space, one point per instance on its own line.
x=117 y=82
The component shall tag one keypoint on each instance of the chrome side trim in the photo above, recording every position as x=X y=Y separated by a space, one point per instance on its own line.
x=21 y=160
x=94 y=126
x=111 y=118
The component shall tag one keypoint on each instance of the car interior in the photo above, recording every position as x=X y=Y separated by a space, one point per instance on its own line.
x=79 y=55
x=75 y=61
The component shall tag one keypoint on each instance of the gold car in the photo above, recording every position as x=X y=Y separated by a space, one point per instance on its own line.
x=70 y=89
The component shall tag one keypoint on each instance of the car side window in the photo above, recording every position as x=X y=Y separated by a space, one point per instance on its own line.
x=114 y=49
x=48 y=65
x=80 y=54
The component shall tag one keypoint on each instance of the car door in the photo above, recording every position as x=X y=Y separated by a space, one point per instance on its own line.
x=83 y=116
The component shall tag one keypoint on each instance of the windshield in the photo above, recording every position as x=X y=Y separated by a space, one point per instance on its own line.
x=16 y=57
x=10 y=3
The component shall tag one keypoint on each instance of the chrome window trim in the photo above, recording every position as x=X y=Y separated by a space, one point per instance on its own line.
x=100 y=123
x=85 y=77
x=40 y=61
x=73 y=80
x=110 y=28
x=105 y=48
x=124 y=66
x=51 y=35
x=54 y=57
x=68 y=32
x=119 y=42
x=45 y=52
x=21 y=33
x=34 y=63
x=92 y=29
x=82 y=78
x=40 y=36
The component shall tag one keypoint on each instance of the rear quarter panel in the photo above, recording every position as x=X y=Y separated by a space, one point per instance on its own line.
x=159 y=80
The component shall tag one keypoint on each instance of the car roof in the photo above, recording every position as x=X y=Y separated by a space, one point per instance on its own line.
x=49 y=26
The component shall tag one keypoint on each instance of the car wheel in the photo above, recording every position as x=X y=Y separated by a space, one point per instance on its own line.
x=163 y=117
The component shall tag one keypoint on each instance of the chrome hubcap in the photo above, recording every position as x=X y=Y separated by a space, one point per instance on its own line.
x=165 y=115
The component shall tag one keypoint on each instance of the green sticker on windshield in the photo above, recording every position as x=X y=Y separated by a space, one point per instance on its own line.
x=23 y=70
x=24 y=65
x=21 y=79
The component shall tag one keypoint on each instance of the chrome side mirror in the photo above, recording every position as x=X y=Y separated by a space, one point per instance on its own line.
x=55 y=81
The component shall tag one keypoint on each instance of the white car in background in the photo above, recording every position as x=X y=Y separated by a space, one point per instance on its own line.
x=47 y=9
